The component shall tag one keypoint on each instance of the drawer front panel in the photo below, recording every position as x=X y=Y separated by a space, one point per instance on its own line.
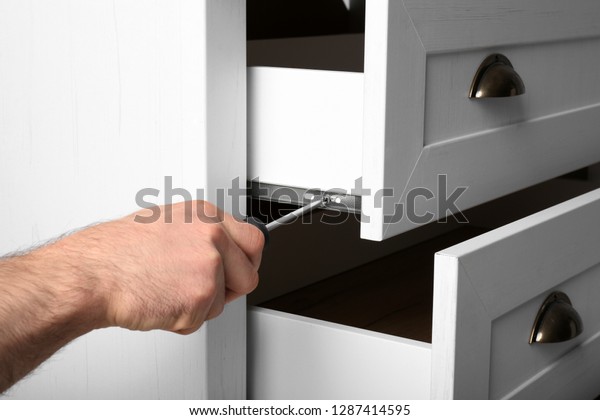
x=518 y=369
x=558 y=76
x=487 y=293
x=420 y=58
x=293 y=357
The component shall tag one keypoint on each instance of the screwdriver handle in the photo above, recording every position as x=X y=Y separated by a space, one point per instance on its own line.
x=262 y=226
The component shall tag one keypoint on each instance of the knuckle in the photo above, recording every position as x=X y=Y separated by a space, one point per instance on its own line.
x=193 y=326
x=182 y=323
x=206 y=294
x=208 y=212
x=216 y=310
x=204 y=205
x=213 y=263
x=200 y=297
x=187 y=329
x=216 y=234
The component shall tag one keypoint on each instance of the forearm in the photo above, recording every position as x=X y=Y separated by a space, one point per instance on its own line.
x=45 y=302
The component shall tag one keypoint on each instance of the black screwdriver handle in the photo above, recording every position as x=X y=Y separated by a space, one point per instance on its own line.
x=263 y=228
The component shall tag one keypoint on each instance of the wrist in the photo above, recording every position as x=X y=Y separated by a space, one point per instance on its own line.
x=71 y=287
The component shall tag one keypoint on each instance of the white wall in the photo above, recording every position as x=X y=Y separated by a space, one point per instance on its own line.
x=99 y=99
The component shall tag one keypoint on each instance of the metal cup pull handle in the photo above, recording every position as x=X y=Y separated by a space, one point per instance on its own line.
x=495 y=78
x=556 y=321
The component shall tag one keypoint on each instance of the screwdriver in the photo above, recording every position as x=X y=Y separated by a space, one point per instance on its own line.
x=319 y=201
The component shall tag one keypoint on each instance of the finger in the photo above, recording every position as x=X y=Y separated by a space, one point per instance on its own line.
x=188 y=331
x=218 y=303
x=204 y=292
x=191 y=322
x=241 y=275
x=249 y=238
x=231 y=295
x=202 y=315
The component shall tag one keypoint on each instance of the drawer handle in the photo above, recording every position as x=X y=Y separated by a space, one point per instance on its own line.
x=556 y=321
x=496 y=78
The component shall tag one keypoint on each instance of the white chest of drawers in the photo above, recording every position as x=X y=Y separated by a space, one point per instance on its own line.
x=419 y=60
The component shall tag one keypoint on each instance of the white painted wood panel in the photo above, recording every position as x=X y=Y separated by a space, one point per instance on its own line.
x=574 y=376
x=294 y=357
x=557 y=76
x=394 y=110
x=515 y=364
x=98 y=100
x=418 y=56
x=487 y=291
x=305 y=127
x=497 y=162
x=469 y=24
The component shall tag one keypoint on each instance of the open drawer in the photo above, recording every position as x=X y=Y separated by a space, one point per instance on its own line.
x=455 y=326
x=384 y=113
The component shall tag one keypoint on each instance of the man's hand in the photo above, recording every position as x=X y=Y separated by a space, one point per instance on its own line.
x=169 y=276
x=140 y=276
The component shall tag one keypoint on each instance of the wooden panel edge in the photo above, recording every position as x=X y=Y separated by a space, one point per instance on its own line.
x=226 y=146
x=393 y=132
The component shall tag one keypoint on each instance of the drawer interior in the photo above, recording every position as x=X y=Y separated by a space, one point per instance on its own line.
x=305 y=92
x=306 y=95
x=383 y=287
x=392 y=295
x=315 y=34
x=342 y=52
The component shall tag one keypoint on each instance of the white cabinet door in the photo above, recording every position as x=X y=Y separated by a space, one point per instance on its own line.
x=487 y=293
x=420 y=58
x=98 y=100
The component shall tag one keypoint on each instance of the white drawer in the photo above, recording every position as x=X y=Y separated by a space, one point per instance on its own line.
x=407 y=118
x=364 y=334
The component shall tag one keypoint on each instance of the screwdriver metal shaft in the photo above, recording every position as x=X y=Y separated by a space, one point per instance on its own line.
x=319 y=202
